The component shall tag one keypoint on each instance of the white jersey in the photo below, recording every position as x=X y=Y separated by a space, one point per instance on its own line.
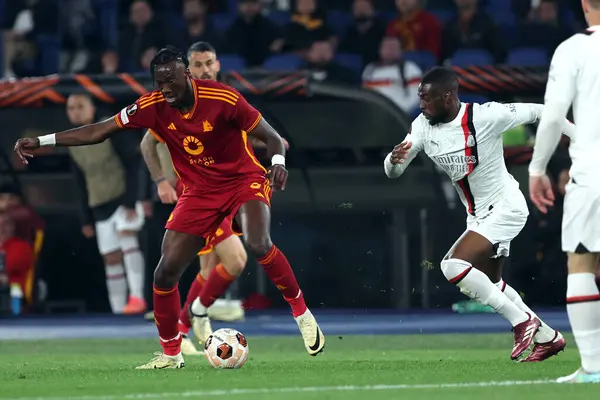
x=574 y=78
x=470 y=150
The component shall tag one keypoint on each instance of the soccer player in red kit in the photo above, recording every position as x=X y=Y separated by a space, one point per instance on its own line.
x=205 y=125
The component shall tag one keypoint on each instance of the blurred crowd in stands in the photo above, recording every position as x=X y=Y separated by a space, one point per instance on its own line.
x=385 y=44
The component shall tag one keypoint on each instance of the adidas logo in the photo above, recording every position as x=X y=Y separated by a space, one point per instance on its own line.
x=172 y=127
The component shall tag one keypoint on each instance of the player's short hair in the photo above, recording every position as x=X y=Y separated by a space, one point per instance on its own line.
x=201 y=47
x=442 y=77
x=167 y=55
x=595 y=4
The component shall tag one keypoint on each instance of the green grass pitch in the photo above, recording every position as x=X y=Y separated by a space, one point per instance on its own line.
x=352 y=367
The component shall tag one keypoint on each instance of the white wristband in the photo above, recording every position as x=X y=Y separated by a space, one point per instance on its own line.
x=47 y=140
x=278 y=159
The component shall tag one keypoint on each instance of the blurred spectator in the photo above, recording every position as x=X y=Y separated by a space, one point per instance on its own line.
x=106 y=62
x=471 y=29
x=252 y=35
x=78 y=17
x=277 y=5
x=394 y=77
x=107 y=175
x=308 y=26
x=364 y=35
x=30 y=18
x=321 y=63
x=417 y=29
x=142 y=35
x=199 y=27
x=543 y=29
x=18 y=253
x=29 y=225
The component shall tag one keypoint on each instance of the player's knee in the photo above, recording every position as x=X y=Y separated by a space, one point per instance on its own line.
x=453 y=268
x=113 y=258
x=259 y=246
x=235 y=262
x=168 y=272
x=582 y=263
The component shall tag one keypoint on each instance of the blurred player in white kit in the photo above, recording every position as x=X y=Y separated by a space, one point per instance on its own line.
x=574 y=78
x=465 y=140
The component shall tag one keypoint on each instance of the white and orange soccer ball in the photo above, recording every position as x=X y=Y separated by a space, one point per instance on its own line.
x=226 y=349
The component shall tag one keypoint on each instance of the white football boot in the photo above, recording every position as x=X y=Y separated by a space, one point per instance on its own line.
x=188 y=348
x=200 y=321
x=314 y=340
x=580 y=376
x=162 y=361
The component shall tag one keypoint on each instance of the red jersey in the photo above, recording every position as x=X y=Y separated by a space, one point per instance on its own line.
x=209 y=145
x=419 y=31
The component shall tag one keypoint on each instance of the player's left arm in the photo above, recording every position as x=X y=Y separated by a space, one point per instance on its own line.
x=560 y=93
x=257 y=144
x=248 y=119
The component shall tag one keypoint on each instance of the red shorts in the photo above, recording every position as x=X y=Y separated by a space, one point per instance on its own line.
x=224 y=231
x=202 y=213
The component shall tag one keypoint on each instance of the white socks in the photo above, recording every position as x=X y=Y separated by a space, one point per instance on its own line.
x=134 y=264
x=117 y=287
x=478 y=286
x=545 y=333
x=583 y=307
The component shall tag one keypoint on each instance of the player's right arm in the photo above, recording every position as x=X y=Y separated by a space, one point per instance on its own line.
x=398 y=160
x=148 y=146
x=139 y=115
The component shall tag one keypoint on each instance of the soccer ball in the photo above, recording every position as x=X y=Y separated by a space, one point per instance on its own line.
x=226 y=349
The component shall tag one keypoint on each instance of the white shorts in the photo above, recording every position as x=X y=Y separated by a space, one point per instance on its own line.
x=581 y=219
x=107 y=231
x=501 y=224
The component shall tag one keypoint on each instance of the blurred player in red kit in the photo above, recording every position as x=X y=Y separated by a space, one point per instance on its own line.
x=205 y=125
x=203 y=65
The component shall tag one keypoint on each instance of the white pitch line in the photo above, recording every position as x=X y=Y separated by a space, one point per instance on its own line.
x=312 y=389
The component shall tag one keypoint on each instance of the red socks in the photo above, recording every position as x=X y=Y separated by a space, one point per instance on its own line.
x=166 y=310
x=184 y=317
x=279 y=271
x=216 y=285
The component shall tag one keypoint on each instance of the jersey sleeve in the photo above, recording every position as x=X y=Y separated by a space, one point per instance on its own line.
x=141 y=114
x=242 y=115
x=500 y=118
x=415 y=136
x=562 y=76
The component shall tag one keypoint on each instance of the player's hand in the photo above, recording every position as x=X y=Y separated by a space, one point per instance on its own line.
x=147 y=206
x=278 y=177
x=400 y=153
x=166 y=192
x=88 y=231
x=541 y=193
x=130 y=214
x=24 y=146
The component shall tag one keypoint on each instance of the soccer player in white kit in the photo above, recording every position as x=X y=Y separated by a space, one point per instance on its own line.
x=574 y=78
x=465 y=140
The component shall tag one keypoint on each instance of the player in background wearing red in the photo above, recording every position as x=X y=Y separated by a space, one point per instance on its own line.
x=205 y=125
x=203 y=65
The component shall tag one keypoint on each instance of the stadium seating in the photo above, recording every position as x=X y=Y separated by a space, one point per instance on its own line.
x=350 y=61
x=527 y=57
x=231 y=62
x=467 y=57
x=424 y=59
x=283 y=62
